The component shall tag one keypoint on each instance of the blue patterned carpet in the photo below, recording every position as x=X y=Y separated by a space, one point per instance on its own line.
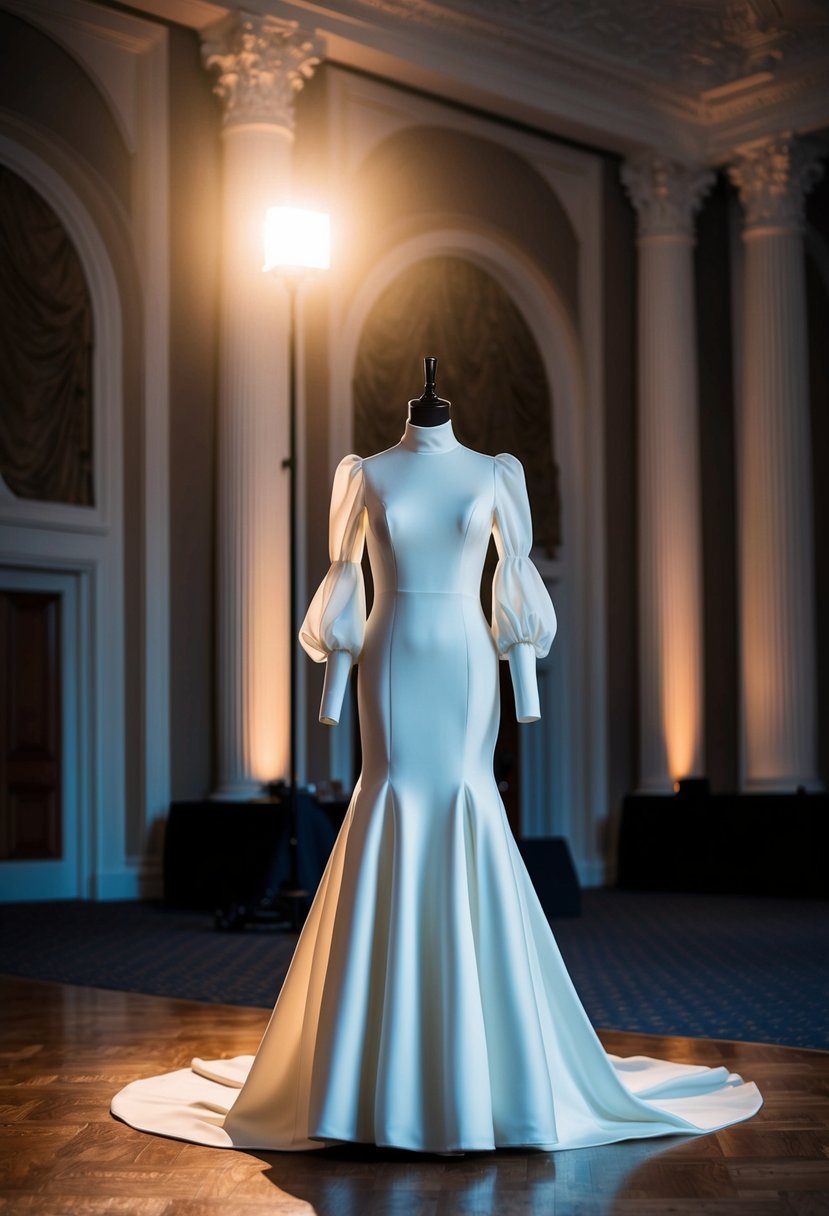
x=710 y=966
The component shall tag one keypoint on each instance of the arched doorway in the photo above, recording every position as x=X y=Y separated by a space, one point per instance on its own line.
x=545 y=760
x=427 y=182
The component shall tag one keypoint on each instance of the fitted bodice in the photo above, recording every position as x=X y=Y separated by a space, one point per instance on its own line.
x=428 y=507
x=429 y=517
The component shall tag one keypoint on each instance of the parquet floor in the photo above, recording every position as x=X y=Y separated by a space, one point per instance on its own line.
x=65 y=1050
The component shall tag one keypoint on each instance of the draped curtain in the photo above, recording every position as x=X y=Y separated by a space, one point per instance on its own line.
x=489 y=367
x=45 y=353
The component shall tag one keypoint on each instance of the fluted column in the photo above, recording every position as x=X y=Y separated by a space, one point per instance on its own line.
x=776 y=557
x=260 y=63
x=666 y=196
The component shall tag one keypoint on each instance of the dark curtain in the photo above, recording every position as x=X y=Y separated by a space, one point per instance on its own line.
x=45 y=352
x=488 y=366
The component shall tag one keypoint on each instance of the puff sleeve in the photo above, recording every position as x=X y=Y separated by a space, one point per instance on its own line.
x=334 y=627
x=523 y=617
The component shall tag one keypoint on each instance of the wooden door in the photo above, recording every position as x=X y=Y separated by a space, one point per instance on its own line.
x=31 y=811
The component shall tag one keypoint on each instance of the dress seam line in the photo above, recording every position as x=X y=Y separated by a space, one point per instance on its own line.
x=391 y=649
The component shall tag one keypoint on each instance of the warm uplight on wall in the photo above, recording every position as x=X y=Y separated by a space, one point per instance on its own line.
x=681 y=688
x=297 y=238
x=682 y=723
x=269 y=722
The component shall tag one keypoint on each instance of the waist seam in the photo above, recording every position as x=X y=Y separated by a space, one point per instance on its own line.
x=467 y=595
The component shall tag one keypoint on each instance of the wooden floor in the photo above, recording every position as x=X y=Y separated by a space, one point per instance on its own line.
x=65 y=1050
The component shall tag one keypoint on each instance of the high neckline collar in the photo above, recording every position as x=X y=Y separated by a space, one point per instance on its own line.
x=439 y=438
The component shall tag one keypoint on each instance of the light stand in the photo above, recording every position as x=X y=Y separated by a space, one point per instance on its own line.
x=297 y=243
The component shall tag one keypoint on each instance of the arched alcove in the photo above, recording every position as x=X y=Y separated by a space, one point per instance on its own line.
x=85 y=123
x=550 y=761
x=76 y=551
x=429 y=177
x=526 y=213
x=494 y=375
x=60 y=97
x=46 y=414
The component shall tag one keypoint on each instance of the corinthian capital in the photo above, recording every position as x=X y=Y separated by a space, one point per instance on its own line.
x=666 y=194
x=261 y=63
x=773 y=178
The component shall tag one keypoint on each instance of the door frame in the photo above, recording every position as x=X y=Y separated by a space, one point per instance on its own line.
x=66 y=877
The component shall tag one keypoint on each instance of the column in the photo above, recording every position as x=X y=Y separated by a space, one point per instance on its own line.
x=666 y=196
x=776 y=558
x=260 y=63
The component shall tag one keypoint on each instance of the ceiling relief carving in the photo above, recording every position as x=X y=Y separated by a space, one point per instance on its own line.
x=688 y=79
x=707 y=43
x=695 y=45
x=718 y=71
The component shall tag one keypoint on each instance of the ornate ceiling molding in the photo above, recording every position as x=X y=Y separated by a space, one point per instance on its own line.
x=690 y=79
x=690 y=46
x=261 y=63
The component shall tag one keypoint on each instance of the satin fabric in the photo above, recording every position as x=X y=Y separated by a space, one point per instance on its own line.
x=427 y=1005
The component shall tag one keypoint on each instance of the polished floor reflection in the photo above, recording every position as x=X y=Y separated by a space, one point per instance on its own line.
x=65 y=1050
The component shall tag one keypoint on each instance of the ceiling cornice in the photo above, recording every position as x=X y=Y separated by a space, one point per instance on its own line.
x=473 y=54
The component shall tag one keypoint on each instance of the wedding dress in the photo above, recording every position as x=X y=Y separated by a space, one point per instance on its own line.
x=427 y=1005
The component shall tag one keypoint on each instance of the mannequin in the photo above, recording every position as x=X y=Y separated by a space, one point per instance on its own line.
x=429 y=409
x=427 y=1006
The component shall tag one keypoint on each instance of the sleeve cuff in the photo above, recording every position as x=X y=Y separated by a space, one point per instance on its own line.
x=524 y=681
x=337 y=671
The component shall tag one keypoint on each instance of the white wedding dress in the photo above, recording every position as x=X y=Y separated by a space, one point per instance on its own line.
x=427 y=1005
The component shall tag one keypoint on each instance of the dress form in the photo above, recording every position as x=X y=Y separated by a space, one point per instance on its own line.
x=427 y=1006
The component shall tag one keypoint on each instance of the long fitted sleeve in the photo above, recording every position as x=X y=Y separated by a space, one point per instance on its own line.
x=334 y=627
x=523 y=618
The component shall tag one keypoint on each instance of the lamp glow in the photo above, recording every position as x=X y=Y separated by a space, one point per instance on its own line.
x=295 y=238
